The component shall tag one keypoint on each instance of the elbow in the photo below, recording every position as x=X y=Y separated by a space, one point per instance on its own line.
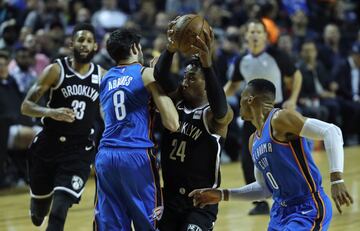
x=172 y=126
x=171 y=123
x=334 y=134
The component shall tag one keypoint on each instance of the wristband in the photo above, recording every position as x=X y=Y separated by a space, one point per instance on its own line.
x=225 y=194
x=337 y=182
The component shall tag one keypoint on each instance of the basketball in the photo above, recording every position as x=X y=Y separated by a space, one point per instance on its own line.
x=186 y=29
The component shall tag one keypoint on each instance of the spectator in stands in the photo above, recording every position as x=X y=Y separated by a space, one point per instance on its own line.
x=8 y=35
x=285 y=43
x=316 y=99
x=182 y=7
x=347 y=75
x=329 y=51
x=103 y=58
x=40 y=60
x=44 y=15
x=17 y=131
x=300 y=30
x=23 y=72
x=109 y=17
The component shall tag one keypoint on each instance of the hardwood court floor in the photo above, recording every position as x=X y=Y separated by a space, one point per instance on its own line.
x=232 y=215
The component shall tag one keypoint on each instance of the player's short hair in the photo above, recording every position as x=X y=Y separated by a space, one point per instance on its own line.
x=83 y=26
x=263 y=87
x=194 y=61
x=120 y=41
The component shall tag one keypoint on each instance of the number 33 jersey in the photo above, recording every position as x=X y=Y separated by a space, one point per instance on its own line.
x=78 y=92
x=190 y=157
x=128 y=111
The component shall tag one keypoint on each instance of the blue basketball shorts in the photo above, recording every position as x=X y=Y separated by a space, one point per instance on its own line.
x=314 y=213
x=128 y=190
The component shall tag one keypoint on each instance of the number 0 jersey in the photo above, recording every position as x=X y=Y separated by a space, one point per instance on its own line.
x=76 y=91
x=190 y=157
x=288 y=168
x=128 y=112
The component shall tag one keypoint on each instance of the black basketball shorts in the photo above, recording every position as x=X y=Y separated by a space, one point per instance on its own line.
x=58 y=163
x=179 y=214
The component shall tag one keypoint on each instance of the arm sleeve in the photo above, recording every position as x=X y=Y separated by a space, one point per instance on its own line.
x=162 y=72
x=234 y=70
x=333 y=141
x=215 y=94
x=252 y=192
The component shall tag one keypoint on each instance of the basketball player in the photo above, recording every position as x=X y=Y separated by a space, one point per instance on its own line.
x=190 y=157
x=267 y=62
x=284 y=167
x=62 y=152
x=127 y=178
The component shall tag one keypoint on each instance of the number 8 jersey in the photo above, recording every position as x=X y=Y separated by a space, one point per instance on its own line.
x=128 y=111
x=76 y=91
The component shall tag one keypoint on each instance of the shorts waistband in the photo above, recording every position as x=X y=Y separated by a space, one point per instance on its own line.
x=126 y=150
x=296 y=200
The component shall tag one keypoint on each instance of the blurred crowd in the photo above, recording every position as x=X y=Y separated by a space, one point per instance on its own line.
x=321 y=36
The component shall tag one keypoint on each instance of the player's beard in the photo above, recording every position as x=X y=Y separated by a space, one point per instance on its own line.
x=81 y=59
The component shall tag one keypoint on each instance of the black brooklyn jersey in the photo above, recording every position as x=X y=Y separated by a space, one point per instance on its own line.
x=190 y=157
x=76 y=91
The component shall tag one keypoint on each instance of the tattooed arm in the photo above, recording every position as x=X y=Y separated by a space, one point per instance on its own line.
x=48 y=78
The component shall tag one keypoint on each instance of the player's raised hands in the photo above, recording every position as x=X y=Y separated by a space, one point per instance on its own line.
x=62 y=114
x=340 y=195
x=172 y=45
x=204 y=48
x=206 y=196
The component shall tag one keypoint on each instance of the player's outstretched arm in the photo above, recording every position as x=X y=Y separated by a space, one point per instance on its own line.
x=49 y=78
x=289 y=121
x=251 y=192
x=168 y=113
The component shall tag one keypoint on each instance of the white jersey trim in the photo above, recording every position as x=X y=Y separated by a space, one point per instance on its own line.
x=32 y=195
x=77 y=73
x=77 y=195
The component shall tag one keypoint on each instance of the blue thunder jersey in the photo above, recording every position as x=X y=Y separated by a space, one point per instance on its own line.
x=288 y=168
x=127 y=108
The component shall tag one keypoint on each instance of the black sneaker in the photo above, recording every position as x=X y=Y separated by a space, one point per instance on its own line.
x=261 y=208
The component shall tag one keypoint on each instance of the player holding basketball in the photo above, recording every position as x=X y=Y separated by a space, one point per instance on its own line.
x=127 y=178
x=62 y=153
x=284 y=167
x=190 y=157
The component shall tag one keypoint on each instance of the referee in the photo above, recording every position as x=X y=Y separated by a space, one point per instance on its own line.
x=265 y=62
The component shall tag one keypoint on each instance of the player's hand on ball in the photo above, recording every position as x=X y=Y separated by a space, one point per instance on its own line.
x=204 y=48
x=207 y=196
x=172 y=45
x=62 y=114
x=341 y=196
